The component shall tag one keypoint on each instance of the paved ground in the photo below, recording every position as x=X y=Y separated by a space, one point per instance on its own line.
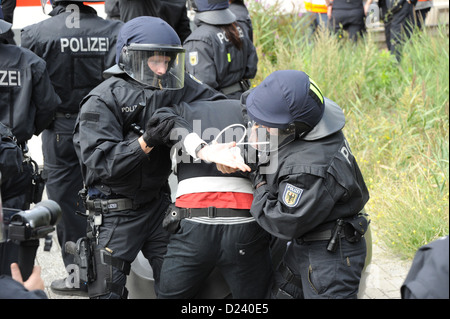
x=385 y=274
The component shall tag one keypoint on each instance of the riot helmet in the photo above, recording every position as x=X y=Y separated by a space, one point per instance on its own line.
x=214 y=12
x=286 y=106
x=4 y=26
x=150 y=51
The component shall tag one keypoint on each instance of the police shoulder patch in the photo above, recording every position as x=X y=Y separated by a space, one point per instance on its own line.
x=291 y=195
x=193 y=58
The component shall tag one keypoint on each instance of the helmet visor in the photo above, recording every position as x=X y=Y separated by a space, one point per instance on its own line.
x=160 y=67
x=267 y=139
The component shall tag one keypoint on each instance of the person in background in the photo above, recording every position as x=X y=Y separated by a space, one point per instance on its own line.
x=28 y=102
x=219 y=52
x=78 y=49
x=421 y=10
x=240 y=10
x=173 y=12
x=348 y=16
x=112 y=9
x=7 y=7
x=428 y=275
x=317 y=14
x=398 y=18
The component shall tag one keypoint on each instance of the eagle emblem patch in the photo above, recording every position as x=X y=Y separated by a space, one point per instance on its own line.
x=193 y=58
x=291 y=195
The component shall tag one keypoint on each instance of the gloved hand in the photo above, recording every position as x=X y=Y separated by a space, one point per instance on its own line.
x=157 y=132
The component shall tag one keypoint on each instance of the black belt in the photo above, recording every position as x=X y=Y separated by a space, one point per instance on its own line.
x=240 y=86
x=66 y=115
x=318 y=235
x=109 y=205
x=213 y=212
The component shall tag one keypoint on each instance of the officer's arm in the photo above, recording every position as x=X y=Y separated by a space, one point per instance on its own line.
x=293 y=207
x=43 y=96
x=103 y=147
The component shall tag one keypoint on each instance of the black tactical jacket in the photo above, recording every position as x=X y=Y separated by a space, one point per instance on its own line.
x=309 y=184
x=107 y=146
x=80 y=43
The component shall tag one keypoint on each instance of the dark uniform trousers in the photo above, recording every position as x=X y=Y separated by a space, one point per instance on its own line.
x=398 y=27
x=316 y=273
x=125 y=233
x=64 y=180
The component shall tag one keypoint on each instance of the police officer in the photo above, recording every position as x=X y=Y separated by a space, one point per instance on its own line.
x=308 y=187
x=27 y=105
x=428 y=275
x=173 y=12
x=240 y=10
x=348 y=15
x=126 y=173
x=218 y=51
x=78 y=46
x=398 y=17
x=214 y=208
x=7 y=8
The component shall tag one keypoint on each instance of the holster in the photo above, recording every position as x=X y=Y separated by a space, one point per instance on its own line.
x=356 y=227
x=172 y=219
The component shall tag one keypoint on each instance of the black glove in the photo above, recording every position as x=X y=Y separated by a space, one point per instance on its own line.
x=157 y=132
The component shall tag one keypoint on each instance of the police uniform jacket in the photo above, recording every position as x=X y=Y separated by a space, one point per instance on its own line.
x=111 y=158
x=214 y=60
x=76 y=54
x=27 y=98
x=311 y=184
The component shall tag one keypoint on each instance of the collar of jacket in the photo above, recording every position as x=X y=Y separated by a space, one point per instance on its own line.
x=61 y=7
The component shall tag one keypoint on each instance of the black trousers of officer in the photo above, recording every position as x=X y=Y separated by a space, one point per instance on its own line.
x=125 y=233
x=321 y=274
x=398 y=28
x=64 y=180
x=351 y=21
x=240 y=251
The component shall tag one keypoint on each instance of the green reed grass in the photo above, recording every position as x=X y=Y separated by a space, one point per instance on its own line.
x=397 y=116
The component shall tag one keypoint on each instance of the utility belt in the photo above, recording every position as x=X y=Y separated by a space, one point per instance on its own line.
x=351 y=228
x=110 y=205
x=174 y=215
x=240 y=86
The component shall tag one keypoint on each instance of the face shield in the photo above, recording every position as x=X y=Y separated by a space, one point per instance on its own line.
x=262 y=138
x=161 y=67
x=268 y=139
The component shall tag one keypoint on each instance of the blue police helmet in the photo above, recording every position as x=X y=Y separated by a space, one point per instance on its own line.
x=150 y=51
x=290 y=97
x=214 y=12
x=4 y=26
x=146 y=30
